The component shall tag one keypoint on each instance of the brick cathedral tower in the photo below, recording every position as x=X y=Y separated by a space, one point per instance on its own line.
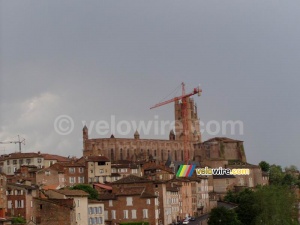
x=192 y=121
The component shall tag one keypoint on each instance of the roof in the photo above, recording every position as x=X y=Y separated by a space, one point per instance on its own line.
x=51 y=187
x=130 y=191
x=107 y=187
x=96 y=159
x=92 y=201
x=222 y=139
x=223 y=176
x=131 y=179
x=28 y=187
x=20 y=155
x=55 y=157
x=106 y=196
x=69 y=203
x=69 y=192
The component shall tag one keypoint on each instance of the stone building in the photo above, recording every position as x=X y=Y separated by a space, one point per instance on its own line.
x=137 y=149
x=20 y=200
x=54 y=211
x=132 y=199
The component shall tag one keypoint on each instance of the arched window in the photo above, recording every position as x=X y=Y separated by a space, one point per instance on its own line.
x=162 y=155
x=176 y=155
x=155 y=153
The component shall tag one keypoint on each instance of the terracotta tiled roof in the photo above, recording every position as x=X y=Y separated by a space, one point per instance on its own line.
x=68 y=192
x=69 y=203
x=21 y=155
x=115 y=175
x=107 y=187
x=96 y=159
x=131 y=191
x=92 y=201
x=55 y=157
x=131 y=179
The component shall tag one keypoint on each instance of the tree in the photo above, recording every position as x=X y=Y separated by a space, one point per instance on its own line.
x=264 y=166
x=93 y=194
x=18 y=220
x=245 y=199
x=276 y=175
x=276 y=205
x=223 y=216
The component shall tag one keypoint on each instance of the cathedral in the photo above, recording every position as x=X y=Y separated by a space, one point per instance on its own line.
x=138 y=149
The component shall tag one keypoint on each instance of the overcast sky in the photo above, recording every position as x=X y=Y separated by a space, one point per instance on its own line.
x=94 y=59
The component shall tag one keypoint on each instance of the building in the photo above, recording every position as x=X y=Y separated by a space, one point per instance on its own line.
x=124 y=168
x=155 y=171
x=51 y=176
x=80 y=199
x=132 y=199
x=137 y=149
x=74 y=172
x=14 y=161
x=54 y=211
x=20 y=200
x=95 y=212
x=98 y=168
x=3 y=196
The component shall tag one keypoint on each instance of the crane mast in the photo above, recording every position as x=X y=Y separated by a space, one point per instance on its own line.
x=184 y=98
x=15 y=142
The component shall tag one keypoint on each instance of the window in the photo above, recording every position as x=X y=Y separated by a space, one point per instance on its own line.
x=72 y=180
x=15 y=162
x=101 y=171
x=106 y=215
x=81 y=180
x=47 y=173
x=134 y=171
x=99 y=210
x=20 y=161
x=110 y=203
x=125 y=213
x=71 y=170
x=7 y=162
x=113 y=214
x=39 y=160
x=81 y=170
x=148 y=201
x=9 y=204
x=19 y=203
x=78 y=202
x=145 y=213
x=133 y=214
x=100 y=220
x=129 y=201
x=28 y=161
x=78 y=216
x=8 y=170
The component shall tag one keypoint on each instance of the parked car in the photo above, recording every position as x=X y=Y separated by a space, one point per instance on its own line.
x=188 y=218
x=192 y=219
x=185 y=221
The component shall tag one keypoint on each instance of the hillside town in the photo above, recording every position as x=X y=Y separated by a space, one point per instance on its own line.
x=135 y=180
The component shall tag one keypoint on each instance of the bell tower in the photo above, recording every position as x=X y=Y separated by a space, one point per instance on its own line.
x=192 y=121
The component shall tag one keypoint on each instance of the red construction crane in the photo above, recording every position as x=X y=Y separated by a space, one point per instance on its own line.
x=184 y=97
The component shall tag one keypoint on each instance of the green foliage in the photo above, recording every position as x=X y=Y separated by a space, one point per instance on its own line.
x=221 y=215
x=245 y=199
x=267 y=205
x=93 y=194
x=276 y=175
x=135 y=223
x=264 y=166
x=18 y=220
x=276 y=205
